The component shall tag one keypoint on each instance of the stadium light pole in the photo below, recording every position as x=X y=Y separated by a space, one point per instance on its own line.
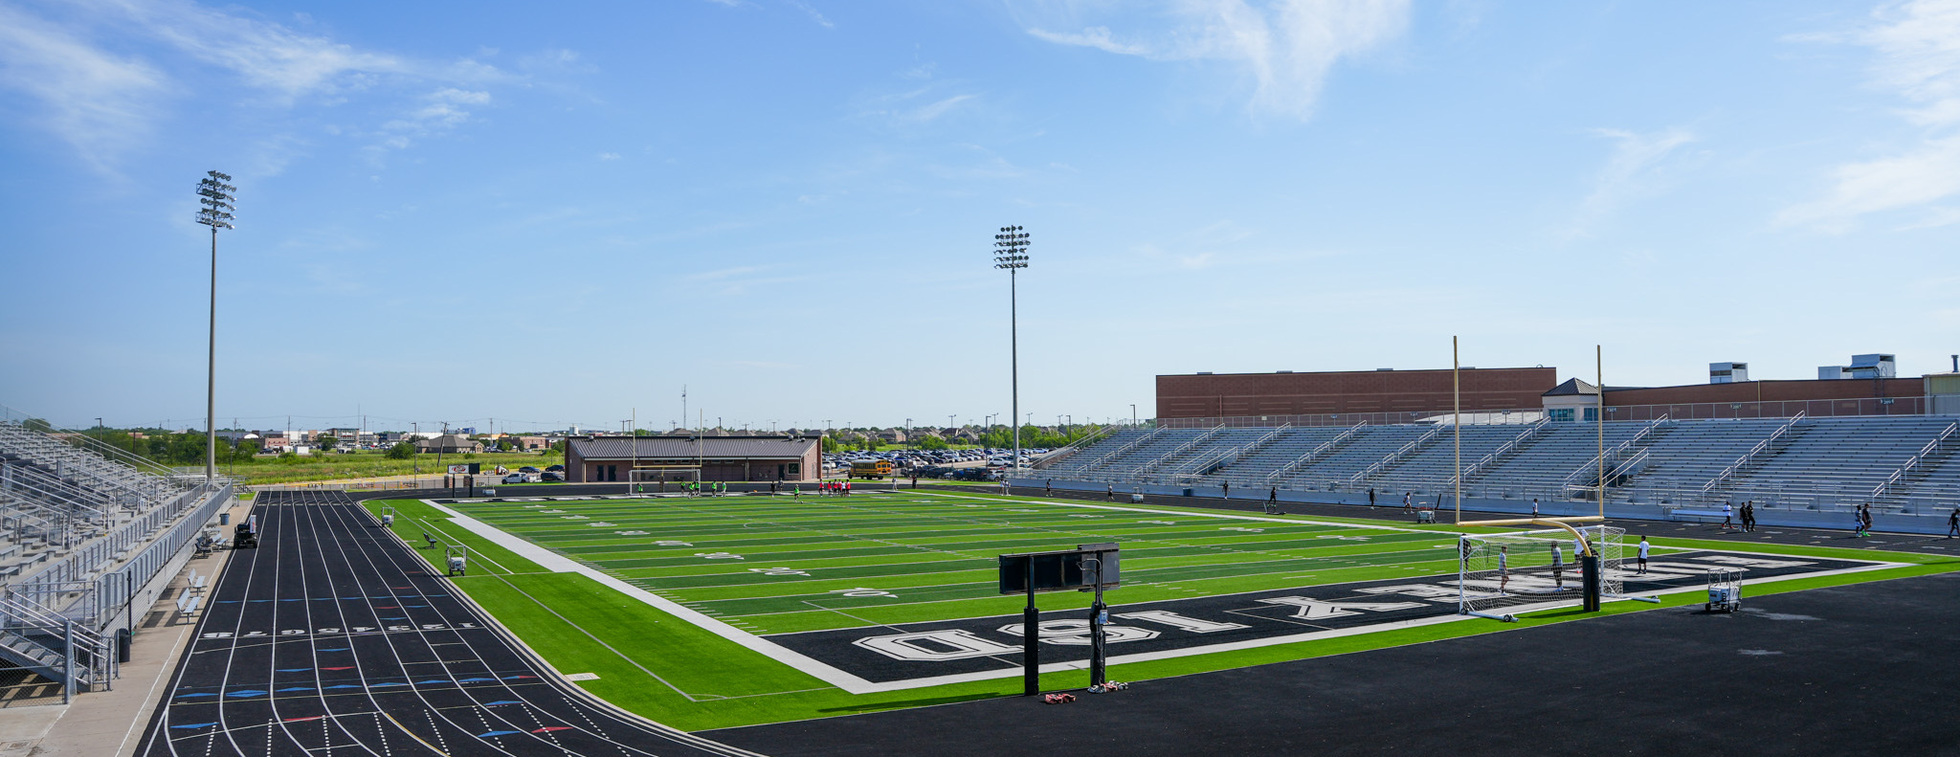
x=1011 y=253
x=216 y=196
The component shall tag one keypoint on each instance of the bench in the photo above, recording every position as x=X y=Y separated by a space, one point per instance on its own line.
x=197 y=582
x=187 y=604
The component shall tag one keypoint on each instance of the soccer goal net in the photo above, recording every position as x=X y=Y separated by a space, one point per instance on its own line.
x=1501 y=573
x=665 y=478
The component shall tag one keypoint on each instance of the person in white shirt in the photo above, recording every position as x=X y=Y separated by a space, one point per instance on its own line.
x=1643 y=554
x=1503 y=568
x=1534 y=507
x=1728 y=516
x=1558 y=567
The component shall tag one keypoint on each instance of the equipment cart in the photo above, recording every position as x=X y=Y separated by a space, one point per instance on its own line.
x=1724 y=590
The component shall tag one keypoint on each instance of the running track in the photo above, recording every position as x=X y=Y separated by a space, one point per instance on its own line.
x=332 y=638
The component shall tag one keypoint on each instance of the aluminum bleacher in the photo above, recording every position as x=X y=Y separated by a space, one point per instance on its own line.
x=84 y=529
x=1897 y=463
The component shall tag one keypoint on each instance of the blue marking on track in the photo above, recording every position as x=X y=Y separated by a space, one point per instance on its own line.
x=394 y=683
x=295 y=688
x=291 y=670
x=478 y=679
x=344 y=686
x=502 y=701
x=247 y=693
x=497 y=733
x=194 y=725
x=188 y=696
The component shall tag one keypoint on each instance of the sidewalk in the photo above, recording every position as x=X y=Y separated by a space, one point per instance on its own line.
x=111 y=722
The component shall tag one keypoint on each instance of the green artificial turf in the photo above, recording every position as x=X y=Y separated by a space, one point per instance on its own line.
x=933 y=557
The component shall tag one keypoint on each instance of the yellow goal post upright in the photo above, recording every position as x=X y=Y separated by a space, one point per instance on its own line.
x=659 y=475
x=1497 y=572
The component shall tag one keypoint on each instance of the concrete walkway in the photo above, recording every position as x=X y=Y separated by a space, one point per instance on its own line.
x=110 y=722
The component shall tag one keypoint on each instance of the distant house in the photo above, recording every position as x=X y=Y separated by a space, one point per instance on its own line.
x=448 y=444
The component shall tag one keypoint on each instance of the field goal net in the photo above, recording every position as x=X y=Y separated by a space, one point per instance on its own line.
x=663 y=478
x=1498 y=573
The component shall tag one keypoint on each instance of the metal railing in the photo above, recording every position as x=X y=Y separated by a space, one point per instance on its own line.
x=1384 y=463
x=1316 y=453
x=1913 y=462
x=1530 y=431
x=1593 y=463
x=1834 y=408
x=1759 y=448
x=1179 y=450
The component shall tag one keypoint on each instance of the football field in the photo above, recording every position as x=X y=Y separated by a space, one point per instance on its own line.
x=709 y=611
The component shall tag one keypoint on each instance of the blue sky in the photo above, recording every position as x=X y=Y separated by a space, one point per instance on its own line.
x=453 y=212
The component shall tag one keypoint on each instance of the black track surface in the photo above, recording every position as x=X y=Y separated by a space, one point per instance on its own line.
x=332 y=638
x=1868 y=669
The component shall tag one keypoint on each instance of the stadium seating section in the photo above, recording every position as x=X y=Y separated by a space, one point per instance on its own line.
x=1897 y=463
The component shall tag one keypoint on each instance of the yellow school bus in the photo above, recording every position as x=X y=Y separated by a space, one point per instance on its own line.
x=872 y=469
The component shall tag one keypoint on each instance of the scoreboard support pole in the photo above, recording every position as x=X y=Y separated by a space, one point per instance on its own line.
x=1030 y=641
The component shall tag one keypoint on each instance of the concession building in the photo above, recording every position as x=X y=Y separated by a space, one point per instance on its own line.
x=719 y=458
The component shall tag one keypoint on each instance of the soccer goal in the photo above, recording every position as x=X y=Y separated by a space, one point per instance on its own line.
x=663 y=478
x=1498 y=574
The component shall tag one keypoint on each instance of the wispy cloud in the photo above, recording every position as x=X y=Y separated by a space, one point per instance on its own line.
x=98 y=102
x=1917 y=56
x=1285 y=47
x=813 y=13
x=1628 y=172
x=104 y=103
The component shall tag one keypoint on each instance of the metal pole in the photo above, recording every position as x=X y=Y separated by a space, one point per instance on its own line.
x=211 y=372
x=1030 y=649
x=1456 y=397
x=1599 y=420
x=1014 y=361
x=68 y=661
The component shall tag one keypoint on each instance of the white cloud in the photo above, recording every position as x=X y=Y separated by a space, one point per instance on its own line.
x=1917 y=56
x=609 y=156
x=939 y=108
x=96 y=101
x=1627 y=173
x=1286 y=47
x=105 y=102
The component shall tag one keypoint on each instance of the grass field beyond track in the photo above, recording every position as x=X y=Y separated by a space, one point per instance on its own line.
x=772 y=565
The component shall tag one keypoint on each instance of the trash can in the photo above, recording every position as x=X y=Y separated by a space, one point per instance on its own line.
x=1187 y=491
x=122 y=645
x=224 y=519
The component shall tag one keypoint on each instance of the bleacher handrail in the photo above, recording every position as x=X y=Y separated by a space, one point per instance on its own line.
x=1392 y=457
x=1593 y=463
x=1315 y=453
x=1757 y=448
x=1073 y=448
x=1180 y=449
x=1530 y=431
x=1913 y=462
x=1232 y=454
x=1126 y=448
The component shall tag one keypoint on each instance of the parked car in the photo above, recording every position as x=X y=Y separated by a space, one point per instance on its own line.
x=514 y=478
x=558 y=468
x=528 y=469
x=552 y=475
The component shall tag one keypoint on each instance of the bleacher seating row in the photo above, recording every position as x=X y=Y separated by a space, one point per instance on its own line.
x=1892 y=462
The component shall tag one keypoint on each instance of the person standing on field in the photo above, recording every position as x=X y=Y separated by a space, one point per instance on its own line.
x=1227 y=486
x=1503 y=568
x=1643 y=553
x=1110 y=494
x=1953 y=524
x=1558 y=567
x=1272 y=501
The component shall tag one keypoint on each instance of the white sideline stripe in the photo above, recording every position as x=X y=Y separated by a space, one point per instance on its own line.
x=560 y=564
x=557 y=563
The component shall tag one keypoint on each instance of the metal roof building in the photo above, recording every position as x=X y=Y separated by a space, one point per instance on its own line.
x=720 y=458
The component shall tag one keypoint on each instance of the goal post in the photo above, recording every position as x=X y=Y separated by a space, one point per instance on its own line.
x=656 y=479
x=1503 y=573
